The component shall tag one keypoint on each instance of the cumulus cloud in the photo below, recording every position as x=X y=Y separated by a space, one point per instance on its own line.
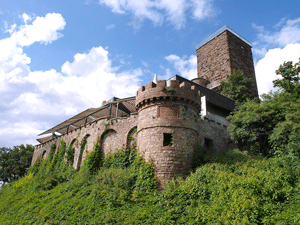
x=266 y=67
x=286 y=32
x=32 y=101
x=159 y=10
x=185 y=66
x=272 y=48
x=283 y=33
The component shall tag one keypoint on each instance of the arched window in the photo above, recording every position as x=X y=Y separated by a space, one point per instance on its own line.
x=132 y=138
x=82 y=146
x=108 y=141
x=44 y=155
x=70 y=153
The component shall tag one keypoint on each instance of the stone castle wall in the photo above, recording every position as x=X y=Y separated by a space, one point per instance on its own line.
x=112 y=132
x=173 y=110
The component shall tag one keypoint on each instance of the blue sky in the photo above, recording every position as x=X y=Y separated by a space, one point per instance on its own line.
x=58 y=58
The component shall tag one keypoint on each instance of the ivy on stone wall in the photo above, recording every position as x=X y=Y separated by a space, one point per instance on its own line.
x=82 y=147
x=53 y=170
x=70 y=153
x=52 y=151
x=94 y=160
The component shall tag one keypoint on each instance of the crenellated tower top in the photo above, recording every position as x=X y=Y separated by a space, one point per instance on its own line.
x=184 y=92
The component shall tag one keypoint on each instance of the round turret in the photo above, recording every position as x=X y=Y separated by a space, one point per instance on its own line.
x=168 y=126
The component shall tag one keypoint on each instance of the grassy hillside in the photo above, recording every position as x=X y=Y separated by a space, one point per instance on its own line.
x=227 y=188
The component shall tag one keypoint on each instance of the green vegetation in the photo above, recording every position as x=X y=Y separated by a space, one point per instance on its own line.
x=271 y=126
x=15 y=162
x=226 y=188
x=237 y=87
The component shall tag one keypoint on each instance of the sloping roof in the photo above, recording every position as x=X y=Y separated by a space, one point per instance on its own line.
x=118 y=108
x=45 y=139
x=212 y=97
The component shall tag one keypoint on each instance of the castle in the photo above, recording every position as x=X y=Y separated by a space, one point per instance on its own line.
x=166 y=118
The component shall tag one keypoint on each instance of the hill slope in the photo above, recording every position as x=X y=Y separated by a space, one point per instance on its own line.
x=228 y=188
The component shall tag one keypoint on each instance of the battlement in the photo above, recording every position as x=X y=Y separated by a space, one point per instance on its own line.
x=175 y=91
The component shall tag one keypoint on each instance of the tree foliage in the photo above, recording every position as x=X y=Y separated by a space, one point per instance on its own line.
x=290 y=78
x=237 y=87
x=15 y=162
x=273 y=125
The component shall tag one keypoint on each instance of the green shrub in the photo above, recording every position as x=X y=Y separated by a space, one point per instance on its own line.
x=122 y=158
x=94 y=160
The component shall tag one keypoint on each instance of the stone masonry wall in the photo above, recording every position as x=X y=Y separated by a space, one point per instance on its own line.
x=214 y=127
x=121 y=127
x=241 y=58
x=221 y=55
x=213 y=59
x=168 y=111
x=169 y=161
x=174 y=160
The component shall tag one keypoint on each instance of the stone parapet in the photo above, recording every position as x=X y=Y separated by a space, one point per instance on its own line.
x=184 y=92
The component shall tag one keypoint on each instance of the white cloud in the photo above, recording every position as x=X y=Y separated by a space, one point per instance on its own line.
x=185 y=66
x=110 y=26
x=273 y=48
x=31 y=101
x=42 y=29
x=202 y=9
x=286 y=32
x=159 y=10
x=26 y=18
x=266 y=67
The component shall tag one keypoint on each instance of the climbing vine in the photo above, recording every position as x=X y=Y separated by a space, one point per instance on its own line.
x=94 y=160
x=52 y=151
x=82 y=146
x=70 y=155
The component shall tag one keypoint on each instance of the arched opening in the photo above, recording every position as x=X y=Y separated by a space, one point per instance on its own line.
x=108 y=141
x=83 y=146
x=44 y=155
x=132 y=138
x=70 y=153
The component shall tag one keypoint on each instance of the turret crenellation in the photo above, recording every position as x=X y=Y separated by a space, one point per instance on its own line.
x=184 y=92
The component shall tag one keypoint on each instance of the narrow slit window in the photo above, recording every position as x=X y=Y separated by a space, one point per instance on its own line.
x=168 y=139
x=208 y=144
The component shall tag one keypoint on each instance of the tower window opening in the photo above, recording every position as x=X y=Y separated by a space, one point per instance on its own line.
x=208 y=144
x=168 y=139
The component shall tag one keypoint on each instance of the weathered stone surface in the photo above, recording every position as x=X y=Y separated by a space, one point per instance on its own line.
x=223 y=54
x=95 y=130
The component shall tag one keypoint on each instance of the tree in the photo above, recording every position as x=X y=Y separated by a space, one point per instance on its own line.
x=272 y=125
x=237 y=87
x=14 y=163
x=261 y=126
x=290 y=78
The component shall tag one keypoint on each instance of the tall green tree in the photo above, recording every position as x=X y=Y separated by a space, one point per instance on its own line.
x=237 y=87
x=289 y=81
x=273 y=124
x=15 y=162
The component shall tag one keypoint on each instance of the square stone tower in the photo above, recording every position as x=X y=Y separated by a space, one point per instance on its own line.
x=220 y=54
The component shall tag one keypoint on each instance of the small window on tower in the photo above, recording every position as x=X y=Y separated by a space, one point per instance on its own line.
x=208 y=144
x=168 y=139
